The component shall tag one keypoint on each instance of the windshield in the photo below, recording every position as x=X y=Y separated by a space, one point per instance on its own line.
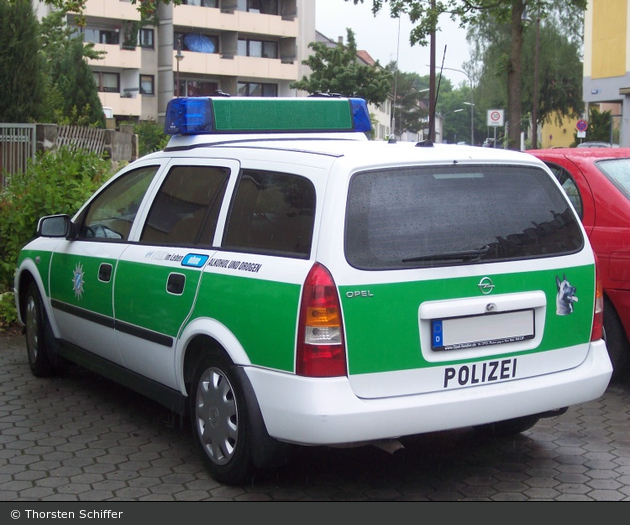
x=439 y=216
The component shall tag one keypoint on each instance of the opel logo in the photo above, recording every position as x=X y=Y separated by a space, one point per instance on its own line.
x=486 y=285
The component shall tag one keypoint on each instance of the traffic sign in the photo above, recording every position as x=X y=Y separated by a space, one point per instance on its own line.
x=495 y=117
x=581 y=125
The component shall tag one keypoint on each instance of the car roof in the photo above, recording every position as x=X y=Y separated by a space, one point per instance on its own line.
x=582 y=153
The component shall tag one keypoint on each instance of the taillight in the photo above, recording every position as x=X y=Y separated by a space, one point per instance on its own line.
x=320 y=348
x=598 y=313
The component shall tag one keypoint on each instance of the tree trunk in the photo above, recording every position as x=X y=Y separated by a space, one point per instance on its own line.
x=515 y=68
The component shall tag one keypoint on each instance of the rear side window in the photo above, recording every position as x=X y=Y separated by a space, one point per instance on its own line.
x=618 y=172
x=272 y=213
x=569 y=186
x=425 y=217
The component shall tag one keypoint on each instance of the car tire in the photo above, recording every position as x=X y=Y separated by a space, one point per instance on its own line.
x=509 y=427
x=220 y=422
x=616 y=341
x=38 y=335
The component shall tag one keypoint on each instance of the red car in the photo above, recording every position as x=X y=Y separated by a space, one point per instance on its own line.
x=597 y=180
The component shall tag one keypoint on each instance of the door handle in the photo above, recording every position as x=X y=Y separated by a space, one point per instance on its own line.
x=105 y=272
x=175 y=284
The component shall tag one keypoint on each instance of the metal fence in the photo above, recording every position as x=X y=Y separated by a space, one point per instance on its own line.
x=17 y=147
x=92 y=139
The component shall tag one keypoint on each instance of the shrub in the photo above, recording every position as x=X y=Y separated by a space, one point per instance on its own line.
x=55 y=182
x=151 y=137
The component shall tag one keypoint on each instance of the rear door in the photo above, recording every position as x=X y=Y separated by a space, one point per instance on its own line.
x=157 y=279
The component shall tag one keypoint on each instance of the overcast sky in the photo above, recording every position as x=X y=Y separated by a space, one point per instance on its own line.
x=379 y=36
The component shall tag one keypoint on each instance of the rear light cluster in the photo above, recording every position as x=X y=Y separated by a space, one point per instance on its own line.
x=598 y=313
x=321 y=350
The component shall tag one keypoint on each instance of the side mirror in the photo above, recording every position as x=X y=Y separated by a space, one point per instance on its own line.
x=55 y=226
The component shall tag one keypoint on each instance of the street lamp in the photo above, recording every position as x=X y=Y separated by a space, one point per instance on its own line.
x=443 y=117
x=471 y=103
x=179 y=57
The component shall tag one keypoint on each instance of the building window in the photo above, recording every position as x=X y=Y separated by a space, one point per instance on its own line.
x=257 y=89
x=147 y=85
x=202 y=3
x=101 y=36
x=107 y=82
x=196 y=88
x=197 y=42
x=146 y=38
x=257 y=48
x=265 y=7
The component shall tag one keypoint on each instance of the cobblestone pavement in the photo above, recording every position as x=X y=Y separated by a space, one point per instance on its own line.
x=81 y=438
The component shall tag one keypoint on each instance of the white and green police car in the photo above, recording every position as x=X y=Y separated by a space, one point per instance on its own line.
x=285 y=281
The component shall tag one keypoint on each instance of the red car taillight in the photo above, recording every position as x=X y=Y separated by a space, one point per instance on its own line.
x=598 y=313
x=321 y=350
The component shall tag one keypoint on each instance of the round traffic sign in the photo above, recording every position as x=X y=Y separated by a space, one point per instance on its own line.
x=495 y=116
x=581 y=125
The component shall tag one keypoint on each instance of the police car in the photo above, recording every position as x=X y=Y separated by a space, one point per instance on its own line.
x=283 y=280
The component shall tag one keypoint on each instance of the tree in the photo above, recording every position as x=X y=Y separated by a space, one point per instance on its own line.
x=72 y=93
x=425 y=15
x=21 y=64
x=337 y=70
x=556 y=63
x=410 y=100
x=600 y=125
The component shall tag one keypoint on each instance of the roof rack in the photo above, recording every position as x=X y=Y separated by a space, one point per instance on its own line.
x=228 y=115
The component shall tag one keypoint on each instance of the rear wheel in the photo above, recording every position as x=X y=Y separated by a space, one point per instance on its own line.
x=509 y=427
x=220 y=421
x=38 y=334
x=616 y=341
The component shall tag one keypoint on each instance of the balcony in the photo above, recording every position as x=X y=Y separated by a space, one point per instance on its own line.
x=131 y=106
x=241 y=21
x=116 y=57
x=238 y=66
x=125 y=10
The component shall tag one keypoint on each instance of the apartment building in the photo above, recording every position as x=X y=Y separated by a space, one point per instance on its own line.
x=607 y=63
x=198 y=48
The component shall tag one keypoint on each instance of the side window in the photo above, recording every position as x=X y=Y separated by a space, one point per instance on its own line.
x=272 y=213
x=111 y=214
x=569 y=186
x=185 y=210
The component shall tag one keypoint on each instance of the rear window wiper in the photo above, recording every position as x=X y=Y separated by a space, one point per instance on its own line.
x=464 y=255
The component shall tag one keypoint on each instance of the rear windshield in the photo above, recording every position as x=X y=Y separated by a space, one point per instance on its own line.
x=440 y=216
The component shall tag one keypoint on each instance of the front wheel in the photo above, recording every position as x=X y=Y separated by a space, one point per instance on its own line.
x=509 y=427
x=220 y=421
x=38 y=337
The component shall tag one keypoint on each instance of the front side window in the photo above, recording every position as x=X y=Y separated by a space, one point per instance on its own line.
x=272 y=213
x=185 y=210
x=110 y=215
x=426 y=217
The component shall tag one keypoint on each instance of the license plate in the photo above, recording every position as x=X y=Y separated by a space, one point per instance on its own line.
x=482 y=330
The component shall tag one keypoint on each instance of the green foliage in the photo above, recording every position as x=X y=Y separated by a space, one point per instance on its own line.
x=56 y=182
x=151 y=137
x=21 y=64
x=337 y=70
x=599 y=127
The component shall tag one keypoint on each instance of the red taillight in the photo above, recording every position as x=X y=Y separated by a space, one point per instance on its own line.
x=598 y=311
x=320 y=348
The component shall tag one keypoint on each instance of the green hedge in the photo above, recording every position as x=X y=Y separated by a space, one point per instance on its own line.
x=55 y=182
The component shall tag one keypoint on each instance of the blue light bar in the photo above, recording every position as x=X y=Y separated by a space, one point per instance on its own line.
x=226 y=115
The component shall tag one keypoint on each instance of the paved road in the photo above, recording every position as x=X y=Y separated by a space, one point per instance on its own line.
x=82 y=438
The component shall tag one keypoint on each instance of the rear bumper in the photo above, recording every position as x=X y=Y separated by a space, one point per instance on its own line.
x=326 y=411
